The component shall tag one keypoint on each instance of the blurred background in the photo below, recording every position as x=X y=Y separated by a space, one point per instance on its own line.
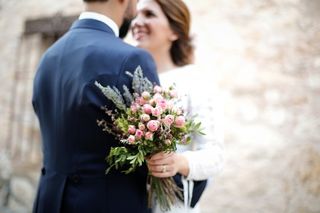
x=262 y=55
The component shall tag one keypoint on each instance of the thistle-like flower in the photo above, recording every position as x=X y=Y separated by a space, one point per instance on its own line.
x=113 y=94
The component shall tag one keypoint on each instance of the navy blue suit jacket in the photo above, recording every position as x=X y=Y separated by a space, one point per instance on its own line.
x=67 y=104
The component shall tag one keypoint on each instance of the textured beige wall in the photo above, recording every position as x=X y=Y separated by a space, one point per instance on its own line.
x=264 y=56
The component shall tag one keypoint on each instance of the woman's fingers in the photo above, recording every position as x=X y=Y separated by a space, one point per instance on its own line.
x=168 y=164
x=160 y=168
x=162 y=171
x=161 y=156
x=161 y=159
x=162 y=164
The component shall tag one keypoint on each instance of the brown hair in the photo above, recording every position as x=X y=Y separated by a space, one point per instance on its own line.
x=179 y=18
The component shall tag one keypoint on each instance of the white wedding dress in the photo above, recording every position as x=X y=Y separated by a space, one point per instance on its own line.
x=205 y=153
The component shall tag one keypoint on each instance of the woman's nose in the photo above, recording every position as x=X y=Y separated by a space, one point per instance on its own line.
x=138 y=21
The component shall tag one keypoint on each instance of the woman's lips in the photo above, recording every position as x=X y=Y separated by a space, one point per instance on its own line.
x=138 y=35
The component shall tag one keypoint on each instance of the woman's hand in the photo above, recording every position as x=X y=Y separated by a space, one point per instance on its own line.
x=165 y=164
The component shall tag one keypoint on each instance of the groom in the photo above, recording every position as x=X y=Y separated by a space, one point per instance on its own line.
x=67 y=103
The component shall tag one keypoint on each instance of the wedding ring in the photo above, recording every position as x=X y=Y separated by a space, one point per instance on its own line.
x=164 y=168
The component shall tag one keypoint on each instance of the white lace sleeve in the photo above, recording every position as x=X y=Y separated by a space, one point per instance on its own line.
x=206 y=159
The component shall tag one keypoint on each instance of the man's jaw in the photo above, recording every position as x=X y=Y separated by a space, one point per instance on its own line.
x=124 y=28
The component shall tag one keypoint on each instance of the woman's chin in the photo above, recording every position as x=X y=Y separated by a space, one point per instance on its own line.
x=142 y=45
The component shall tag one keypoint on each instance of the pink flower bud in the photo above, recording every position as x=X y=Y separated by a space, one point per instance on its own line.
x=169 y=105
x=180 y=121
x=157 y=97
x=146 y=95
x=162 y=103
x=177 y=110
x=157 y=89
x=134 y=107
x=168 y=120
x=184 y=140
x=131 y=129
x=147 y=108
x=131 y=139
x=141 y=126
x=153 y=125
x=145 y=117
x=156 y=111
x=149 y=136
x=152 y=102
x=139 y=134
x=173 y=93
x=141 y=101
x=167 y=142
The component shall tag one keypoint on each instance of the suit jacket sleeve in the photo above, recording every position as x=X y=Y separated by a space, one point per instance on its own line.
x=136 y=57
x=141 y=58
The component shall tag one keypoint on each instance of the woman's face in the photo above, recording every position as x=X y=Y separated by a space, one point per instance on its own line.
x=151 y=28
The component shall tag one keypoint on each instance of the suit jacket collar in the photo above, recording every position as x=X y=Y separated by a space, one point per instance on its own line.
x=92 y=24
x=100 y=17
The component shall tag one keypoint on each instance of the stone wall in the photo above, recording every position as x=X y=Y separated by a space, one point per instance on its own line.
x=264 y=57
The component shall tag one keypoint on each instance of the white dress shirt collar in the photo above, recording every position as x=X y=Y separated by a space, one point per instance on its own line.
x=97 y=16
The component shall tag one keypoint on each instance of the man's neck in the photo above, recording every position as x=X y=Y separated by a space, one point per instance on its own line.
x=100 y=17
x=105 y=8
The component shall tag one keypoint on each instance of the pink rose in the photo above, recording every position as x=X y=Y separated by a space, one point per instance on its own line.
x=149 y=136
x=134 y=107
x=145 y=95
x=173 y=93
x=168 y=120
x=157 y=97
x=141 y=126
x=156 y=111
x=153 y=125
x=177 y=110
x=157 y=89
x=162 y=103
x=141 y=101
x=180 y=121
x=131 y=129
x=145 y=117
x=139 y=134
x=147 y=108
x=131 y=139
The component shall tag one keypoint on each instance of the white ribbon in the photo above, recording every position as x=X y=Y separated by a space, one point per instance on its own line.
x=187 y=192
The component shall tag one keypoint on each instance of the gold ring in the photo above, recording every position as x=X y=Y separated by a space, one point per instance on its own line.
x=164 y=168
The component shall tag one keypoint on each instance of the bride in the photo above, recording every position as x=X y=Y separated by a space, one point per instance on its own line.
x=162 y=28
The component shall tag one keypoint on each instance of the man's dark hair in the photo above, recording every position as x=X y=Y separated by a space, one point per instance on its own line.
x=124 y=28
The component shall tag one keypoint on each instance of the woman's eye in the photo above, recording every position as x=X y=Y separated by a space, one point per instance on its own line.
x=149 y=14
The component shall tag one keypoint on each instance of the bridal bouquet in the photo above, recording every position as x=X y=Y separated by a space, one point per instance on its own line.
x=146 y=121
